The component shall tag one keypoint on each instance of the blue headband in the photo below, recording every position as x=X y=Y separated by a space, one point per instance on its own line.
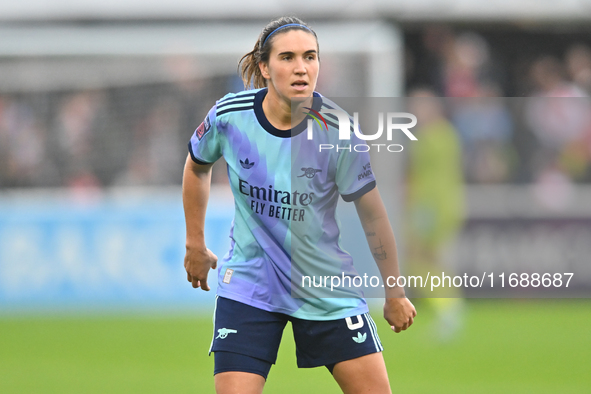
x=281 y=27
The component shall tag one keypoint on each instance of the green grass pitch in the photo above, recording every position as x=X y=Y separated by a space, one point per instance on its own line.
x=505 y=346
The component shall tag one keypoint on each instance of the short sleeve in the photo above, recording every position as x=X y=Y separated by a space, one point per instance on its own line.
x=205 y=145
x=354 y=176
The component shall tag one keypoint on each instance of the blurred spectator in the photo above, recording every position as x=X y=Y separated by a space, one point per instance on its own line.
x=23 y=147
x=560 y=118
x=559 y=113
x=75 y=123
x=455 y=65
x=486 y=130
x=155 y=158
x=549 y=79
x=466 y=65
x=578 y=62
x=427 y=69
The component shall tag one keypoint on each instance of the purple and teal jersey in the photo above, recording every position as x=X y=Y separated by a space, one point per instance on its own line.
x=285 y=194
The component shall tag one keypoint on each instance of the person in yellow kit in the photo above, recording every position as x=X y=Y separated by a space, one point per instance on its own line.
x=435 y=203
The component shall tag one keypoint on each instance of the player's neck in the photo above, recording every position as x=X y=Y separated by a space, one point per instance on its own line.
x=277 y=111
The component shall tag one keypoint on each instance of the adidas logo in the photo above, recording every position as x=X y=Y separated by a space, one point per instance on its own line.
x=246 y=164
x=360 y=338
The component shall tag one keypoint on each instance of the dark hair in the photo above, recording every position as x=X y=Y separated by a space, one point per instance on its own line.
x=248 y=66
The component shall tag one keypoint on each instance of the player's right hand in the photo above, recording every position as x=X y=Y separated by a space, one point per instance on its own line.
x=198 y=262
x=400 y=313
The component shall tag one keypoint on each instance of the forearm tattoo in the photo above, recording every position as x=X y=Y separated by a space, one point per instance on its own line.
x=379 y=253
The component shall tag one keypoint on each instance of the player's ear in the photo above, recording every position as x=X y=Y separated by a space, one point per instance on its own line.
x=264 y=67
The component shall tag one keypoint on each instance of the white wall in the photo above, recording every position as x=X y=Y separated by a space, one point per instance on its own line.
x=499 y=10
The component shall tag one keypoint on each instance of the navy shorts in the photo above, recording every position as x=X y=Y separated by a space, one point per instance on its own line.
x=247 y=338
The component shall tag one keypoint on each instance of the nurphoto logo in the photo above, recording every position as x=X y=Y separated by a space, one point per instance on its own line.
x=392 y=124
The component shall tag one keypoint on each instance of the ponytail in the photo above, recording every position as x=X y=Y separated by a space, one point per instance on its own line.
x=249 y=69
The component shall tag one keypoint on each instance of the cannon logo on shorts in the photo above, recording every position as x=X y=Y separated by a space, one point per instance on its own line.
x=223 y=332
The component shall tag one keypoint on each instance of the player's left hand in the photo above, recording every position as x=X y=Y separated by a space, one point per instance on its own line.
x=399 y=313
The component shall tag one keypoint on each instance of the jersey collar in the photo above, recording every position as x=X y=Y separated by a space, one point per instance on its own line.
x=264 y=122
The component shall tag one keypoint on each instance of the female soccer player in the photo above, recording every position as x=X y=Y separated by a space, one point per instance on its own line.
x=285 y=224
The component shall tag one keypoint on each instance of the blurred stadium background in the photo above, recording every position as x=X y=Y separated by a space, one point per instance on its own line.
x=98 y=101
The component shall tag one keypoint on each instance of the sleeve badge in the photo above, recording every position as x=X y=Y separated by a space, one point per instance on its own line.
x=203 y=128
